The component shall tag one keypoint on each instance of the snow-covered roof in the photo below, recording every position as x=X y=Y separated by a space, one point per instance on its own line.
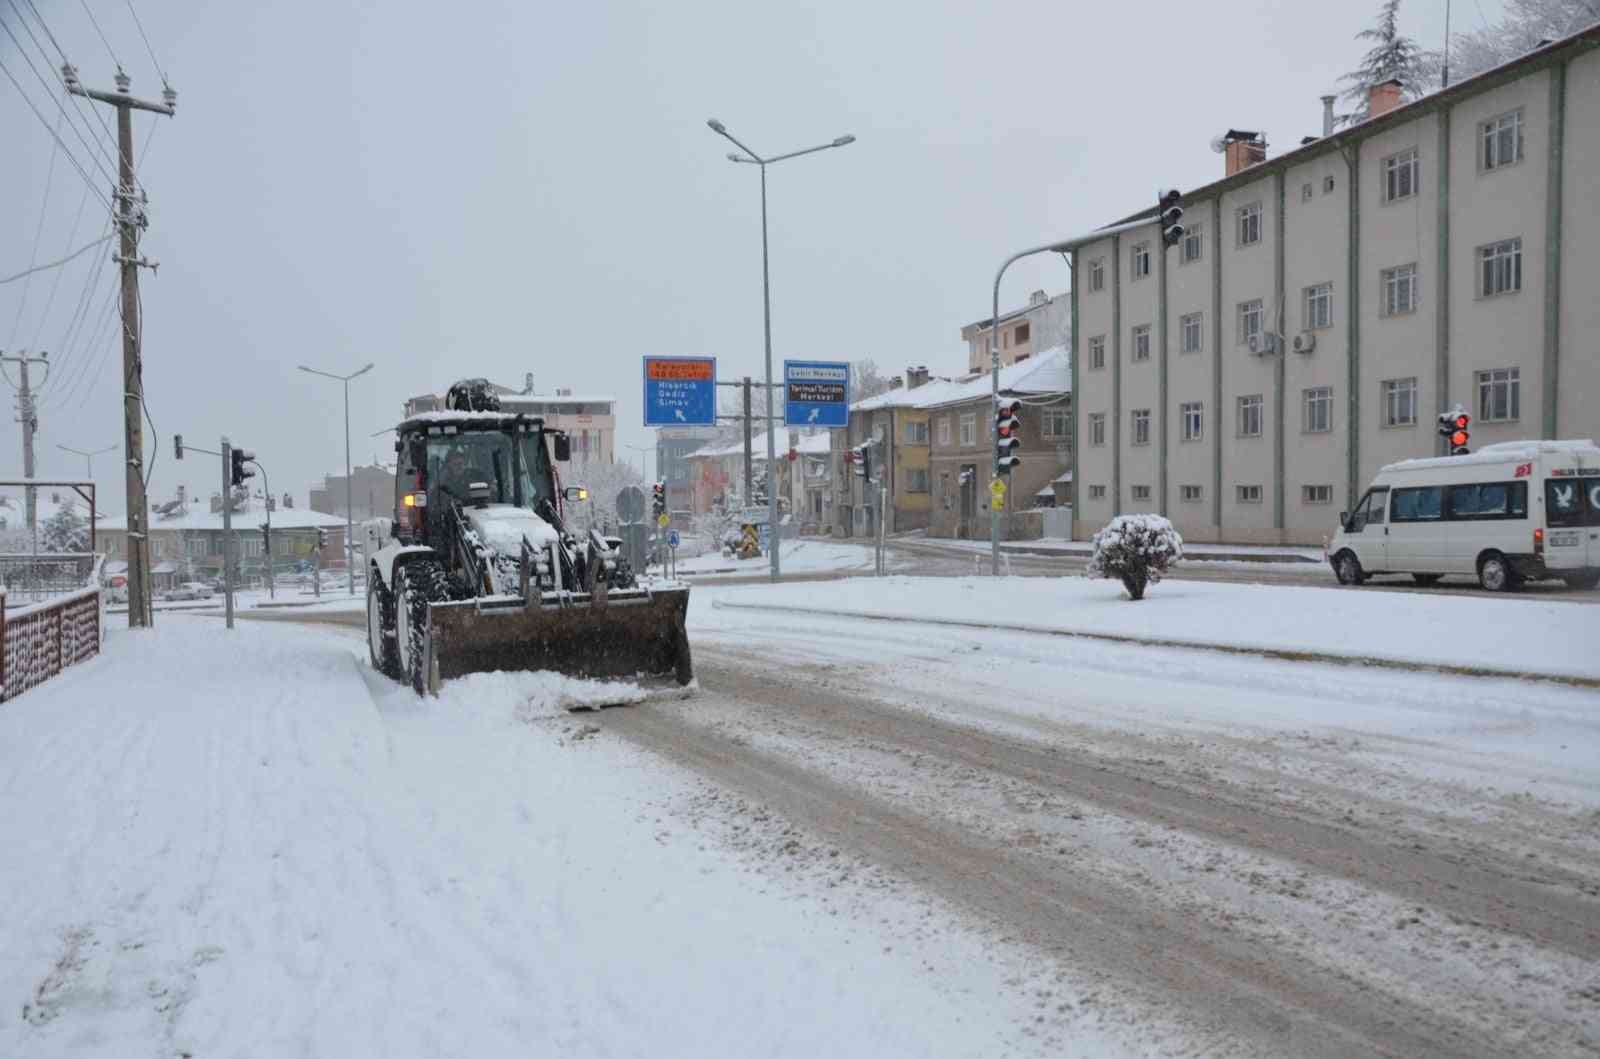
x=817 y=444
x=1047 y=373
x=47 y=502
x=195 y=519
x=1500 y=452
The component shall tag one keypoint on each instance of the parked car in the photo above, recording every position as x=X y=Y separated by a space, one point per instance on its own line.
x=187 y=590
x=1507 y=513
x=117 y=588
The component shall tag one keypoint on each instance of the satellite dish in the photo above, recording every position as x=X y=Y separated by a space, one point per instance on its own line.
x=1219 y=144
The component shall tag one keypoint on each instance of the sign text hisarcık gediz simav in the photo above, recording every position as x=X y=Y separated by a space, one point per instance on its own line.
x=680 y=391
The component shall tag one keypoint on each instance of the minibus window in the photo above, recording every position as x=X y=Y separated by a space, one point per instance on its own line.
x=1418 y=505
x=1591 y=486
x=1563 y=502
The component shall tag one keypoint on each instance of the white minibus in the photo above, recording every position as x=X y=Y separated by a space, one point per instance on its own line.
x=1507 y=513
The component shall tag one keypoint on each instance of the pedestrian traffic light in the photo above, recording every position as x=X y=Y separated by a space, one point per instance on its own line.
x=1169 y=216
x=1007 y=435
x=1453 y=428
x=658 y=499
x=322 y=539
x=239 y=471
x=177 y=446
x=861 y=456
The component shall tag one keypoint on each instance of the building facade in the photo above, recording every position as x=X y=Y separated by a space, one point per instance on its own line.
x=899 y=459
x=371 y=493
x=187 y=540
x=1044 y=323
x=1326 y=306
x=674 y=446
x=590 y=421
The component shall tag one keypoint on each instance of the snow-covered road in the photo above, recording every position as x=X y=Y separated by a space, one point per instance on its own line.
x=241 y=844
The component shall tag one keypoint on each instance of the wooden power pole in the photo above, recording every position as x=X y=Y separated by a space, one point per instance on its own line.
x=131 y=220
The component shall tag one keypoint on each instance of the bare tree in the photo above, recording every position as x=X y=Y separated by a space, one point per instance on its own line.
x=1523 y=27
x=1392 y=57
x=865 y=380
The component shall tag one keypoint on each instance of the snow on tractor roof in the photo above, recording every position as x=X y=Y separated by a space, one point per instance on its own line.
x=483 y=418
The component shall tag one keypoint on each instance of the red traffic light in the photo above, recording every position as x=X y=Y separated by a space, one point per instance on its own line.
x=1461 y=422
x=1459 y=438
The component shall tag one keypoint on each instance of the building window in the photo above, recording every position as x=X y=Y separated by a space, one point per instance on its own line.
x=1501 y=268
x=1192 y=415
x=1499 y=394
x=1194 y=245
x=916 y=433
x=944 y=432
x=1250 y=317
x=1097 y=492
x=969 y=430
x=1141 y=342
x=1400 y=402
x=1190 y=339
x=1319 y=307
x=1249 y=218
x=1316 y=494
x=1305 y=192
x=1248 y=494
x=1141 y=494
x=1327 y=184
x=917 y=480
x=1401 y=173
x=1097 y=428
x=1097 y=274
x=1317 y=410
x=1056 y=421
x=1502 y=141
x=1022 y=333
x=1141 y=426
x=1189 y=494
x=1097 y=351
x=1399 y=290
x=1140 y=264
x=1250 y=416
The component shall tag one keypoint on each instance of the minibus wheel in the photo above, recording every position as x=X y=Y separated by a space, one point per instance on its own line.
x=1348 y=569
x=1494 y=573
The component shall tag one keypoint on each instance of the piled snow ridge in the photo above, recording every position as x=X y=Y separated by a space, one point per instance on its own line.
x=535 y=696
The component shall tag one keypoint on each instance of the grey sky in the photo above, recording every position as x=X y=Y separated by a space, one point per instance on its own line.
x=496 y=188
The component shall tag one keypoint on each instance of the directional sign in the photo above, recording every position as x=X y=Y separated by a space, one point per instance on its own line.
x=680 y=391
x=673 y=540
x=816 y=393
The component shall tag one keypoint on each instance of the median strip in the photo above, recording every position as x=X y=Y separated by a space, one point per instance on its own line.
x=1277 y=653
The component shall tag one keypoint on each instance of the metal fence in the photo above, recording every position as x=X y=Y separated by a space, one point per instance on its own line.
x=35 y=578
x=39 y=641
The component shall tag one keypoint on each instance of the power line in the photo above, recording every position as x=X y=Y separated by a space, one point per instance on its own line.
x=49 y=90
x=152 y=51
x=55 y=283
x=54 y=264
x=38 y=234
x=93 y=22
x=87 y=179
x=76 y=106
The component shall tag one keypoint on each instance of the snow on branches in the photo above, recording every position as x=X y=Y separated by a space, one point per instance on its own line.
x=1136 y=550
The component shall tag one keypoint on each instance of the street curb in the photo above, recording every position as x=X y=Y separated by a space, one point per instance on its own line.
x=1277 y=653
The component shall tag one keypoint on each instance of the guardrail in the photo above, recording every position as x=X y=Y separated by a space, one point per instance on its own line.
x=38 y=641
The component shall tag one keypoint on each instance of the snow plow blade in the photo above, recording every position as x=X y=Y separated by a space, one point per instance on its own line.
x=625 y=634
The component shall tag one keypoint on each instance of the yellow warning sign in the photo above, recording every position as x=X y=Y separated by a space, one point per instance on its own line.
x=663 y=520
x=997 y=489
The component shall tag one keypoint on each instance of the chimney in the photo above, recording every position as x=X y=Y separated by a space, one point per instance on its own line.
x=917 y=376
x=527 y=383
x=1382 y=98
x=1327 y=115
x=216 y=503
x=183 y=497
x=894 y=383
x=1241 y=150
x=1038 y=297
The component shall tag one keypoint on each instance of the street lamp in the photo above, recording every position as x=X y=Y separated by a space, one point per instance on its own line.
x=752 y=158
x=349 y=519
x=88 y=457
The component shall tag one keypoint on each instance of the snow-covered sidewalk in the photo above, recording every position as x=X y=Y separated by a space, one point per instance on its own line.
x=244 y=844
x=1522 y=636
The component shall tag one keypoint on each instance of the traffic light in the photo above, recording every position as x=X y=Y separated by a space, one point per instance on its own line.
x=239 y=472
x=322 y=539
x=1169 y=216
x=1007 y=435
x=658 y=499
x=861 y=456
x=177 y=446
x=1453 y=428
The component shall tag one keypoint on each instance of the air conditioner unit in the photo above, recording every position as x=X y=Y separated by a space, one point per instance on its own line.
x=1305 y=342
x=1264 y=343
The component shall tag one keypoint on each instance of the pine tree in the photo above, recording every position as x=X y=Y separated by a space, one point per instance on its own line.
x=65 y=531
x=1392 y=57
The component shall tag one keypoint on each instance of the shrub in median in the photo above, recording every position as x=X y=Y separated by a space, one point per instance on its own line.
x=1136 y=550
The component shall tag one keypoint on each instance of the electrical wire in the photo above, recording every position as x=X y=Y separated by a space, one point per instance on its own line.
x=72 y=97
x=55 y=264
x=38 y=234
x=156 y=62
x=55 y=284
x=95 y=23
x=90 y=142
x=87 y=179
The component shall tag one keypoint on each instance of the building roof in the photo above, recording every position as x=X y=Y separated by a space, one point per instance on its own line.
x=1047 y=373
x=1577 y=43
x=817 y=444
x=196 y=519
x=1012 y=314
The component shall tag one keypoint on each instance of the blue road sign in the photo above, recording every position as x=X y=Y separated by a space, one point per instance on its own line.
x=816 y=393
x=680 y=391
x=673 y=540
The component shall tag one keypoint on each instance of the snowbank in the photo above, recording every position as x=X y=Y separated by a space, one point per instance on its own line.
x=1518 y=635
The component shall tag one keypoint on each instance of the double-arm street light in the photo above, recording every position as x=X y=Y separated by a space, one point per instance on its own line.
x=349 y=518
x=750 y=157
x=88 y=457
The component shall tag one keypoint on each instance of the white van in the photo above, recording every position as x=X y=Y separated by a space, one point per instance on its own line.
x=1513 y=512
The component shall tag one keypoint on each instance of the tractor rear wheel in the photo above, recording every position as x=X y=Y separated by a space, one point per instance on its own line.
x=381 y=640
x=414 y=588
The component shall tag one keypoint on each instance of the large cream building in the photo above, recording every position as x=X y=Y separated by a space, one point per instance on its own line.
x=1327 y=304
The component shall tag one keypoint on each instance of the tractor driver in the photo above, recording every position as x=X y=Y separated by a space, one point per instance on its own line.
x=458 y=474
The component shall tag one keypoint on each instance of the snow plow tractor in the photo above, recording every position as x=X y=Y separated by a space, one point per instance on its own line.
x=478 y=570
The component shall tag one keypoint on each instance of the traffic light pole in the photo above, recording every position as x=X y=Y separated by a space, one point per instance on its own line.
x=227 y=530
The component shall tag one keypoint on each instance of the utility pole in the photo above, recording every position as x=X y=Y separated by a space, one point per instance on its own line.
x=131 y=220
x=749 y=477
x=28 y=416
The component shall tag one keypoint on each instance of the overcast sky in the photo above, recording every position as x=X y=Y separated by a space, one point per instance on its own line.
x=492 y=188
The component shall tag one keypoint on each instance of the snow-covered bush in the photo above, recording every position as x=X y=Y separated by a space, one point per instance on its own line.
x=1136 y=550
x=65 y=531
